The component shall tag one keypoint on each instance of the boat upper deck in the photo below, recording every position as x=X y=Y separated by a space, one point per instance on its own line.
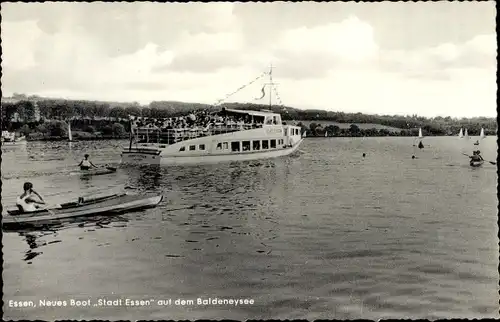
x=199 y=124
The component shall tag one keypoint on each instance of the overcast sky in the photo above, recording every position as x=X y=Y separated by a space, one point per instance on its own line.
x=423 y=58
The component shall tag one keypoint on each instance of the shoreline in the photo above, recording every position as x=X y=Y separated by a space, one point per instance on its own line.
x=88 y=138
x=104 y=138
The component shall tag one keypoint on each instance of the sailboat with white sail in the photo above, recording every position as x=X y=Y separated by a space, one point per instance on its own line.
x=481 y=136
x=461 y=134
x=420 y=136
x=70 y=135
x=466 y=134
x=326 y=134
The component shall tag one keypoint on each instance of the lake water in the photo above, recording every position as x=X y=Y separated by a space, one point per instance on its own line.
x=324 y=233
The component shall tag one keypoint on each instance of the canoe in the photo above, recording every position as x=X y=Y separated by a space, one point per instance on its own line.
x=476 y=163
x=98 y=171
x=106 y=205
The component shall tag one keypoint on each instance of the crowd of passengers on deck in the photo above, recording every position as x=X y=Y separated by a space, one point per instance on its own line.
x=202 y=120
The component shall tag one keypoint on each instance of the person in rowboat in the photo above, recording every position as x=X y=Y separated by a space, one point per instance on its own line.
x=30 y=200
x=476 y=156
x=86 y=164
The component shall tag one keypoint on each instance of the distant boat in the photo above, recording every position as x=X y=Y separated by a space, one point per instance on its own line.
x=420 y=136
x=326 y=134
x=461 y=134
x=482 y=136
x=10 y=139
x=70 y=136
x=466 y=135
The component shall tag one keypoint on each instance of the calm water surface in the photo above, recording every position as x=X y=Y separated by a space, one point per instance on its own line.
x=325 y=233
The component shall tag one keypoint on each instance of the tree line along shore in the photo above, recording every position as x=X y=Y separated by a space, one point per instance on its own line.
x=47 y=119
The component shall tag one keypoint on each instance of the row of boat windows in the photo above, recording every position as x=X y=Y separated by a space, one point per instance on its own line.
x=237 y=146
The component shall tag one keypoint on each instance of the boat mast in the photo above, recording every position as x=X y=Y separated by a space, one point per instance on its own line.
x=271 y=85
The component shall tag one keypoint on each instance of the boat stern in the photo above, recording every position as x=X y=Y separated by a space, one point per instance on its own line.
x=141 y=156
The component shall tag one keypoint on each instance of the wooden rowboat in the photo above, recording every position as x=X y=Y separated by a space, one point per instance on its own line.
x=107 y=205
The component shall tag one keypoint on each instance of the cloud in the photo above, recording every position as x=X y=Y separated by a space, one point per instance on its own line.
x=350 y=40
x=436 y=62
x=329 y=56
x=23 y=34
x=124 y=28
x=204 y=53
x=202 y=63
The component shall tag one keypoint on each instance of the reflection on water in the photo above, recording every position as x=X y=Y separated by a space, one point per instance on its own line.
x=324 y=233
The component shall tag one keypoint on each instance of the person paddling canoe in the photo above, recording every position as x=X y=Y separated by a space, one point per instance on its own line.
x=476 y=157
x=86 y=164
x=30 y=199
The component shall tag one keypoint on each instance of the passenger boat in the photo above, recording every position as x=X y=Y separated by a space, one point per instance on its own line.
x=228 y=135
x=105 y=205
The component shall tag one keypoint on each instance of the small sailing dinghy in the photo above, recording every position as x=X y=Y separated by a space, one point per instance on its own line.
x=84 y=207
x=461 y=134
x=482 y=136
x=420 y=136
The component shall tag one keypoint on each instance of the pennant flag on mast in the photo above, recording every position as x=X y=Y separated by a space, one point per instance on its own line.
x=263 y=93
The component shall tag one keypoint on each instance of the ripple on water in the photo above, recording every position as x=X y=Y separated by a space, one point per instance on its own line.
x=316 y=235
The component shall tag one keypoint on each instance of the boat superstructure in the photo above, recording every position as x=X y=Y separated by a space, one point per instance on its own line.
x=209 y=136
x=9 y=138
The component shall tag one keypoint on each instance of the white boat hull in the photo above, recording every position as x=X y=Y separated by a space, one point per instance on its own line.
x=142 y=158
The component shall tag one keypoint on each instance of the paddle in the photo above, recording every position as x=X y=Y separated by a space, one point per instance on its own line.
x=47 y=208
x=494 y=163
